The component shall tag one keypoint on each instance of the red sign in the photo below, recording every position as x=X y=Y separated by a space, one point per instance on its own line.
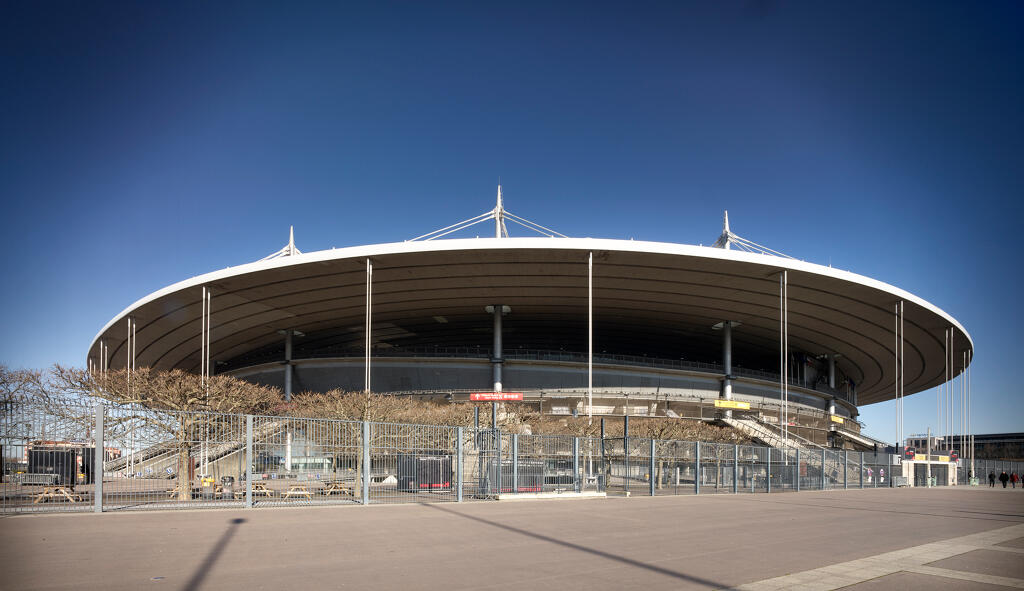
x=495 y=396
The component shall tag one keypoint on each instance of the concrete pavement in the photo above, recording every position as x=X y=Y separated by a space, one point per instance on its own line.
x=707 y=541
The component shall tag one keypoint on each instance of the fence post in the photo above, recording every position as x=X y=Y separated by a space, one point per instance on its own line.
x=458 y=469
x=652 y=468
x=625 y=452
x=846 y=469
x=97 y=467
x=248 y=461
x=515 y=462
x=798 y=469
x=696 y=468
x=862 y=469
x=576 y=464
x=735 y=468
x=823 y=451
x=366 y=463
x=497 y=464
x=768 y=470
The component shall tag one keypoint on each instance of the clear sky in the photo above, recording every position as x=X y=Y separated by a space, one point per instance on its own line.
x=144 y=143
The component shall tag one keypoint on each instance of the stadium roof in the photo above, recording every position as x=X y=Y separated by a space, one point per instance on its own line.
x=650 y=294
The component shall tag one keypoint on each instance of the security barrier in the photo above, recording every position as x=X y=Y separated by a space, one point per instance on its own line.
x=104 y=458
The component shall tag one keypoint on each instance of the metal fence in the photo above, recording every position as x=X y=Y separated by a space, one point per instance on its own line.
x=96 y=458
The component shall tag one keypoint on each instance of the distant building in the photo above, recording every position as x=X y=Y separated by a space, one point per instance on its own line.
x=999 y=446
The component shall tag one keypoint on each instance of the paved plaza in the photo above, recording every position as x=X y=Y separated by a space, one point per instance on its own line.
x=858 y=539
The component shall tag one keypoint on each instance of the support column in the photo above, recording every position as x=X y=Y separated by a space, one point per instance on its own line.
x=497 y=360
x=726 y=393
x=496 y=356
x=768 y=470
x=832 y=371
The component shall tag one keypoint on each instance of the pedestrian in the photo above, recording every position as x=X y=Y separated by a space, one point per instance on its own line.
x=1013 y=479
x=1004 y=478
x=991 y=479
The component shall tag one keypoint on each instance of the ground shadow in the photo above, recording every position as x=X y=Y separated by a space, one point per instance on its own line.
x=212 y=556
x=593 y=551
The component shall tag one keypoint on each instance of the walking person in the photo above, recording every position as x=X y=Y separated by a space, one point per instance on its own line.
x=1013 y=479
x=1004 y=478
x=991 y=479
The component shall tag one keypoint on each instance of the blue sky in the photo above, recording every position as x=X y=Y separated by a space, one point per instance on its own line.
x=144 y=143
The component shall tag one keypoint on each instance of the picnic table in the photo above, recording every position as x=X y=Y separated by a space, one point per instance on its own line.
x=299 y=490
x=57 y=493
x=337 y=486
x=258 y=488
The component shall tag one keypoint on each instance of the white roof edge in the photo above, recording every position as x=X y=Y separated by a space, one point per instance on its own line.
x=371 y=250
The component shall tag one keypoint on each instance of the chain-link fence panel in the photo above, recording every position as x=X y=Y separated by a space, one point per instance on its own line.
x=49 y=457
x=675 y=467
x=413 y=463
x=305 y=461
x=717 y=461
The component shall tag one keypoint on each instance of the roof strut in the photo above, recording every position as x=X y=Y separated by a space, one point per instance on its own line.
x=288 y=250
x=500 y=216
x=728 y=239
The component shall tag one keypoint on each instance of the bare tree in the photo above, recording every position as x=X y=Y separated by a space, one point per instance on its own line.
x=176 y=405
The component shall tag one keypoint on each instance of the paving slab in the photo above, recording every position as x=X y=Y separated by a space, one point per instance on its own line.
x=1018 y=543
x=918 y=582
x=986 y=562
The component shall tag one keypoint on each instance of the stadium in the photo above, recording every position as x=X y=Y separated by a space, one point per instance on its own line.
x=574 y=326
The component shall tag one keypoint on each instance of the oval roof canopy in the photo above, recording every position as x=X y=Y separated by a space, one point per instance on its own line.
x=655 y=299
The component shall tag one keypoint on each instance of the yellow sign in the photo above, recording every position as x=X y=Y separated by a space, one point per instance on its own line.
x=732 y=404
x=920 y=457
x=836 y=419
x=943 y=458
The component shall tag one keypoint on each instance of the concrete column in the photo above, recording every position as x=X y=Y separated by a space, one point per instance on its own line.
x=496 y=359
x=727 y=364
x=832 y=406
x=832 y=371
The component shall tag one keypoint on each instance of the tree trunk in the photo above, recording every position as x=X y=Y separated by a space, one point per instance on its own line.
x=184 y=459
x=184 y=472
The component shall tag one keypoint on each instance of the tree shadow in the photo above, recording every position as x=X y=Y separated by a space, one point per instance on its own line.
x=600 y=553
x=213 y=555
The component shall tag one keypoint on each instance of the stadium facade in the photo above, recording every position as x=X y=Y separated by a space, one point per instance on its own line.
x=577 y=325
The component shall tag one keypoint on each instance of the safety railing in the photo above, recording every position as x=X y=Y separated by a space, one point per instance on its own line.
x=116 y=458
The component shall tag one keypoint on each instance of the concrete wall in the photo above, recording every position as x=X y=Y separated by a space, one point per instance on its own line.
x=550 y=377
